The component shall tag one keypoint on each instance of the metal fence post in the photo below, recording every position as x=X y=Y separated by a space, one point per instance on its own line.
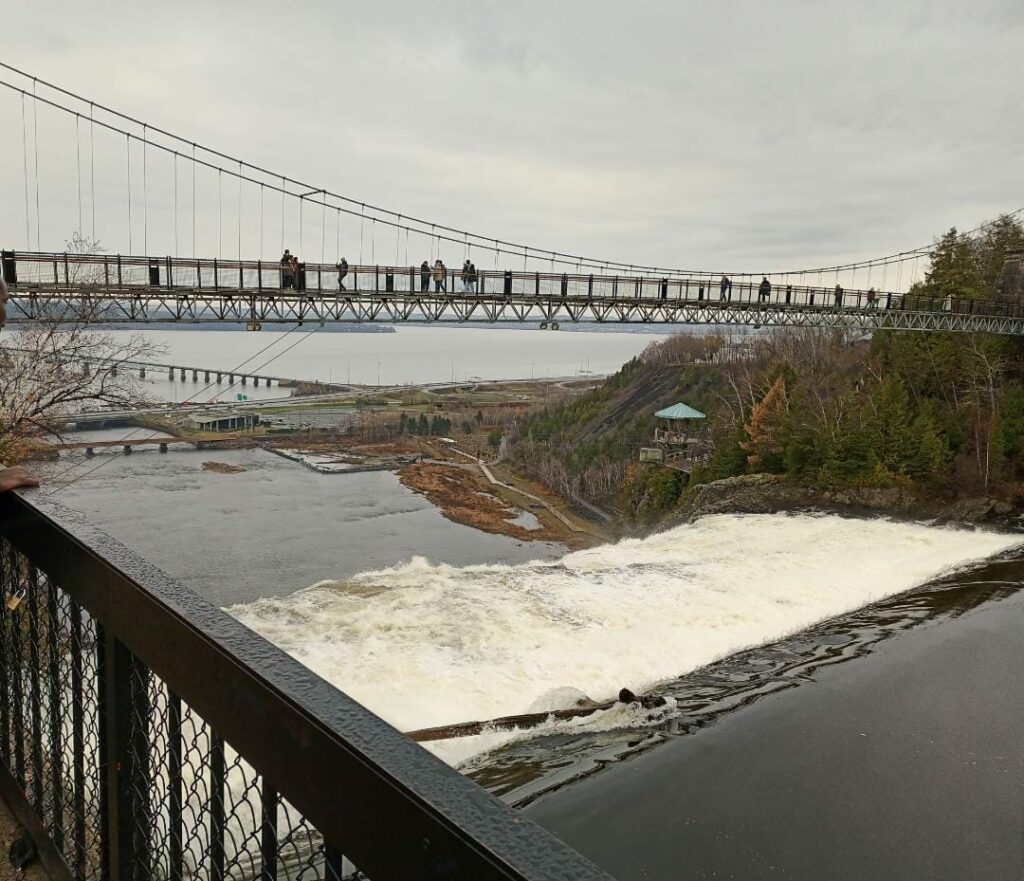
x=126 y=732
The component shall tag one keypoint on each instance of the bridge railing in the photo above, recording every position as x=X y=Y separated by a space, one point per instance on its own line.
x=150 y=278
x=146 y=734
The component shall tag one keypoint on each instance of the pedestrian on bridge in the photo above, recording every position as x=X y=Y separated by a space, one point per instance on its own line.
x=440 y=276
x=764 y=290
x=725 y=288
x=472 y=276
x=342 y=272
x=287 y=269
x=839 y=295
x=871 y=298
x=424 y=277
x=464 y=276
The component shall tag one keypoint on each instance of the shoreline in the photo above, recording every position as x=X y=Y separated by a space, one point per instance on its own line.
x=772 y=494
x=463 y=494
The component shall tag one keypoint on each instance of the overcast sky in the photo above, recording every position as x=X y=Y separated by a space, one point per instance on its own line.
x=712 y=135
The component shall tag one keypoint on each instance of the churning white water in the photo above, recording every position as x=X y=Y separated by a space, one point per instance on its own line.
x=425 y=644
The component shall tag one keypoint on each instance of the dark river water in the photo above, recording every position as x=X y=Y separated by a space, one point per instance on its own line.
x=270 y=530
x=885 y=744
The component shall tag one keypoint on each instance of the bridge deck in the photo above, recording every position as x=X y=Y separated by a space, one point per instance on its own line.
x=116 y=289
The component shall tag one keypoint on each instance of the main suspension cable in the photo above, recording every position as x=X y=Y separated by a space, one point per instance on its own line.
x=457 y=235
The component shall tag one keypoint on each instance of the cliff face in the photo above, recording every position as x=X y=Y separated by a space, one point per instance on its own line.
x=772 y=493
x=822 y=420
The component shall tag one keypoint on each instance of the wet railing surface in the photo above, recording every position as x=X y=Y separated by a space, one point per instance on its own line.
x=145 y=734
x=160 y=285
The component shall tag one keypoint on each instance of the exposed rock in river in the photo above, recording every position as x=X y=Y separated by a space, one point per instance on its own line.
x=770 y=493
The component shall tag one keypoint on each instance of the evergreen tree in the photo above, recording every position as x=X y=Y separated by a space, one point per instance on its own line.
x=929 y=454
x=954 y=269
x=888 y=425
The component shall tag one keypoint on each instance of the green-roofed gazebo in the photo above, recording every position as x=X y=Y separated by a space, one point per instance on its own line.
x=679 y=411
x=678 y=429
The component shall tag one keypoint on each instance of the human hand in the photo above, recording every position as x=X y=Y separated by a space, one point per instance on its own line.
x=14 y=478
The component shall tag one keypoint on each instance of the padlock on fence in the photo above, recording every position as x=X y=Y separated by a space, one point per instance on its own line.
x=14 y=600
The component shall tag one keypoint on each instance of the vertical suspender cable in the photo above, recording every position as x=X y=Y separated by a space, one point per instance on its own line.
x=92 y=173
x=239 y=210
x=303 y=253
x=24 y=157
x=128 y=154
x=78 y=166
x=282 y=215
x=398 y=239
x=145 y=197
x=220 y=214
x=337 y=235
x=323 y=229
x=373 y=241
x=260 y=255
x=177 y=252
x=194 y=252
x=35 y=138
x=362 y=221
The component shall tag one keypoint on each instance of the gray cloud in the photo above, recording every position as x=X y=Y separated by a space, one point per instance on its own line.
x=738 y=135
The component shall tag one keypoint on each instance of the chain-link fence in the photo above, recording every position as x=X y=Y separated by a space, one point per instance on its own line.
x=146 y=735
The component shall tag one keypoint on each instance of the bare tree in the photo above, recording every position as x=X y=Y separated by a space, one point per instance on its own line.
x=58 y=364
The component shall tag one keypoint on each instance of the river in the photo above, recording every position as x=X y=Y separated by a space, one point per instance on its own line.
x=412 y=353
x=827 y=715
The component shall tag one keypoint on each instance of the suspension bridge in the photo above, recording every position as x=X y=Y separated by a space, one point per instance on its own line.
x=137 y=183
x=138 y=290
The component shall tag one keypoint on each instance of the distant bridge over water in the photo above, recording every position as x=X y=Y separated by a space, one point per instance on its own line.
x=115 y=289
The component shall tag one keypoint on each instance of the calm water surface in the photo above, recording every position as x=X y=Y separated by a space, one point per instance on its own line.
x=411 y=354
x=270 y=530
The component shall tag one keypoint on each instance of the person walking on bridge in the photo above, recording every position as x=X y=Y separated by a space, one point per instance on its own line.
x=472 y=274
x=839 y=295
x=464 y=276
x=725 y=288
x=440 y=276
x=764 y=290
x=424 y=277
x=287 y=270
x=871 y=298
x=342 y=272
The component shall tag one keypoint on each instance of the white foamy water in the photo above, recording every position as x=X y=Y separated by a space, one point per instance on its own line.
x=426 y=644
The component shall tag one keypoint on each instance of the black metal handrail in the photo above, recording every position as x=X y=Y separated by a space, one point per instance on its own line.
x=146 y=734
x=136 y=276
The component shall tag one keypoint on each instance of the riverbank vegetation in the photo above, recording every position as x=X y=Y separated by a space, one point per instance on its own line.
x=939 y=414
